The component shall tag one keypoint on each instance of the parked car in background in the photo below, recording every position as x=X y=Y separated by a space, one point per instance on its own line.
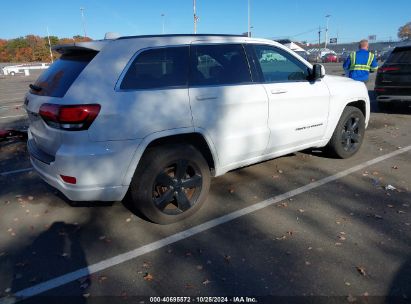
x=174 y=110
x=19 y=69
x=303 y=54
x=343 y=56
x=393 y=81
x=330 y=57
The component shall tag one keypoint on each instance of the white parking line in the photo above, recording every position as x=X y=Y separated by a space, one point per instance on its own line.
x=124 y=257
x=15 y=171
x=4 y=117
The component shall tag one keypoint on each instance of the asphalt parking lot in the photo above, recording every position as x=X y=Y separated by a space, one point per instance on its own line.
x=300 y=225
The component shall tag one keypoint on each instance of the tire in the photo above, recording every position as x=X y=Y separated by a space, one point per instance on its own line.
x=348 y=134
x=160 y=186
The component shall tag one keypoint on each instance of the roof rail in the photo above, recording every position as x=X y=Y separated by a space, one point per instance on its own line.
x=180 y=35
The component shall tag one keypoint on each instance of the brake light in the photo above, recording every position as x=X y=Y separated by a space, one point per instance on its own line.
x=69 y=179
x=69 y=117
x=388 y=69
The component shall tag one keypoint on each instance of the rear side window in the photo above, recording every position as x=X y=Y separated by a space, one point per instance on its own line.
x=158 y=68
x=218 y=64
x=57 y=79
x=402 y=55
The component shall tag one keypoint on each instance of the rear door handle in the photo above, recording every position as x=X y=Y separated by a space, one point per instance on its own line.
x=206 y=97
x=278 y=91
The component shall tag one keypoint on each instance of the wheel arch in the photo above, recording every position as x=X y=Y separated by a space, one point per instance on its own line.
x=196 y=138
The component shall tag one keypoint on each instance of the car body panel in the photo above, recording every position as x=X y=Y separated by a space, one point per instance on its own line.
x=241 y=124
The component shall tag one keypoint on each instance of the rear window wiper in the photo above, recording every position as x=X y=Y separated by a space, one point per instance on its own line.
x=35 y=87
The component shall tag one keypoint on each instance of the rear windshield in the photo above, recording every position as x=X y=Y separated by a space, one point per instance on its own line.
x=402 y=55
x=57 y=79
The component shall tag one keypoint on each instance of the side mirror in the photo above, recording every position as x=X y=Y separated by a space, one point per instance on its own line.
x=317 y=72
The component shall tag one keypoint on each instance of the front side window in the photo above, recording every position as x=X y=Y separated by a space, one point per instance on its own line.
x=219 y=64
x=158 y=68
x=279 y=66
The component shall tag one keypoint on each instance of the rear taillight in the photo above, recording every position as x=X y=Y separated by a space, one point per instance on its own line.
x=69 y=117
x=388 y=69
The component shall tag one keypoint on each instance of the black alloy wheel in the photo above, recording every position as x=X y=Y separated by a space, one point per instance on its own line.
x=177 y=188
x=348 y=134
x=350 y=137
x=171 y=183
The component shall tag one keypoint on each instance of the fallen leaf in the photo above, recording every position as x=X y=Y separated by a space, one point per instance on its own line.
x=301 y=210
x=401 y=212
x=146 y=264
x=347 y=283
x=280 y=171
x=342 y=238
x=188 y=286
x=338 y=244
x=351 y=299
x=378 y=216
x=128 y=220
x=390 y=206
x=148 y=277
x=390 y=187
x=206 y=282
x=281 y=238
x=361 y=270
x=307 y=263
x=86 y=295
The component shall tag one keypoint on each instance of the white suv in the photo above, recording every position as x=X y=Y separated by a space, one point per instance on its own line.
x=158 y=115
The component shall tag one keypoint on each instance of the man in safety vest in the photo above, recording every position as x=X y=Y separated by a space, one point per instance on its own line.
x=360 y=63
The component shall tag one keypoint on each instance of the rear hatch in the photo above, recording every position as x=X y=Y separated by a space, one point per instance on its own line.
x=394 y=77
x=50 y=88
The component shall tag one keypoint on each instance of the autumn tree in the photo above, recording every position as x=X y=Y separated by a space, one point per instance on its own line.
x=33 y=48
x=404 y=32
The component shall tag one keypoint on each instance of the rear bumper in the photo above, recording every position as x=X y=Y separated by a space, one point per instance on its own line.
x=99 y=169
x=79 y=193
x=394 y=98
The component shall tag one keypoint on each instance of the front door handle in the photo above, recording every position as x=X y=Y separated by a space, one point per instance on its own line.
x=278 y=91
x=206 y=97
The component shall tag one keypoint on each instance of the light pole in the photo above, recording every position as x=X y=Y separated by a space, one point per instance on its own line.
x=249 y=20
x=195 y=17
x=82 y=20
x=163 y=21
x=48 y=37
x=326 y=31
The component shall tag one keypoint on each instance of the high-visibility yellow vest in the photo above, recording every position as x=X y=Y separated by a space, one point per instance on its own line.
x=361 y=67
